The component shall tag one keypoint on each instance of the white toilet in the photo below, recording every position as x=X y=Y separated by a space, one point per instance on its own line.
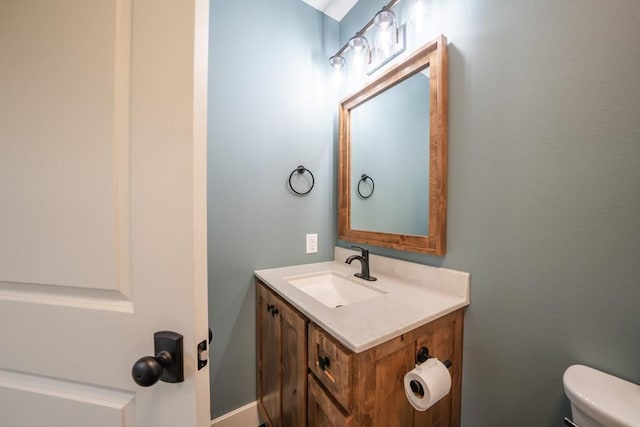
x=601 y=400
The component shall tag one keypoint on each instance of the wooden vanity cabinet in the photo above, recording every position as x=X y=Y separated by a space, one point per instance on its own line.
x=363 y=389
x=281 y=336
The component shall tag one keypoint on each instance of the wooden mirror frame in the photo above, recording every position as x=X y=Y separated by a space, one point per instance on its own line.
x=434 y=55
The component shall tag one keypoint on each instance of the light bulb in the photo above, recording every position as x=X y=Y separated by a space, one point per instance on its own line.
x=384 y=42
x=358 y=60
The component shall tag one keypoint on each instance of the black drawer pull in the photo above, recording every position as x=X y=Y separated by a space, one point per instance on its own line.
x=324 y=363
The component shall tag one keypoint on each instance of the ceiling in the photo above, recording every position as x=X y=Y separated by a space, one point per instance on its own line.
x=336 y=9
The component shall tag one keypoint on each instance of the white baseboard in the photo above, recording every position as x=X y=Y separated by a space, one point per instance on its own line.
x=246 y=416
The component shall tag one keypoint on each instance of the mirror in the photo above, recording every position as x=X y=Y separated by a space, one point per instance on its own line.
x=393 y=156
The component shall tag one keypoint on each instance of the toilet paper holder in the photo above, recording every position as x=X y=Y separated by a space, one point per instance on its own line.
x=421 y=357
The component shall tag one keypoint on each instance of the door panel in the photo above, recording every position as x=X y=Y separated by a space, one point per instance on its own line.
x=38 y=401
x=67 y=72
x=103 y=213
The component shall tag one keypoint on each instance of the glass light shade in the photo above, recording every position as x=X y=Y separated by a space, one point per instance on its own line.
x=387 y=31
x=385 y=19
x=337 y=62
x=358 y=44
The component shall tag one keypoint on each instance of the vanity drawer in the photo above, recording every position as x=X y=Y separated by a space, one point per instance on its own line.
x=322 y=411
x=332 y=365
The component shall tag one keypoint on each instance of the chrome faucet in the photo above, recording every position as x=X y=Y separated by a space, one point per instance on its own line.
x=364 y=264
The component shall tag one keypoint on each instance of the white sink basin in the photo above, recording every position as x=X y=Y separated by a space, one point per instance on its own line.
x=333 y=290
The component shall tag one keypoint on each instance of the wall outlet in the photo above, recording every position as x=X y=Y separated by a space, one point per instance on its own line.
x=312 y=243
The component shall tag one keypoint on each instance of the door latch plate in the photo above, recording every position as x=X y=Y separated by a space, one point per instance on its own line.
x=203 y=354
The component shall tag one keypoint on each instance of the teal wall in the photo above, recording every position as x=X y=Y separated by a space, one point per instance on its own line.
x=269 y=111
x=544 y=195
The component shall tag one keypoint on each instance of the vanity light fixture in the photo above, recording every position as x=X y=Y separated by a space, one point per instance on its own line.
x=384 y=20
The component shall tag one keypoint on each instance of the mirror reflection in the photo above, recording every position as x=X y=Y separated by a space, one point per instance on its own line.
x=390 y=159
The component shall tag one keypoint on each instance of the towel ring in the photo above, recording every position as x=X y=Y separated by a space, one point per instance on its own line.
x=364 y=178
x=301 y=169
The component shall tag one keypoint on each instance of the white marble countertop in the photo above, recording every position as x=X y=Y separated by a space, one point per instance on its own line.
x=415 y=294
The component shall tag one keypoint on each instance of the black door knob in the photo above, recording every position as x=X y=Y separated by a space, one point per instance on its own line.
x=167 y=365
x=148 y=370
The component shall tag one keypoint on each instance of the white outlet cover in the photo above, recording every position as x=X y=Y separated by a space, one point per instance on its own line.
x=312 y=243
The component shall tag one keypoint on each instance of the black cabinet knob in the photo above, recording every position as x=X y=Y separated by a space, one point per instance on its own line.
x=272 y=310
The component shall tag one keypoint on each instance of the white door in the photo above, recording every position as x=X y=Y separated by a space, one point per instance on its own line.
x=102 y=209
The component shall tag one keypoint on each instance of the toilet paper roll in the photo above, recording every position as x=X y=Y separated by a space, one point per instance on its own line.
x=432 y=383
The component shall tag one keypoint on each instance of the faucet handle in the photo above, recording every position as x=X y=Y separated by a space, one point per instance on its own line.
x=365 y=252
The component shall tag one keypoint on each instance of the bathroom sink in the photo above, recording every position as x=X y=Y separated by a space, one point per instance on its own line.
x=333 y=290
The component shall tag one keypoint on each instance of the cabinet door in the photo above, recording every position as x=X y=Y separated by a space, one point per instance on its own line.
x=446 y=412
x=379 y=378
x=269 y=354
x=282 y=361
x=294 y=367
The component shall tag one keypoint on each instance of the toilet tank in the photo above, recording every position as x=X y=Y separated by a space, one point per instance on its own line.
x=599 y=399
